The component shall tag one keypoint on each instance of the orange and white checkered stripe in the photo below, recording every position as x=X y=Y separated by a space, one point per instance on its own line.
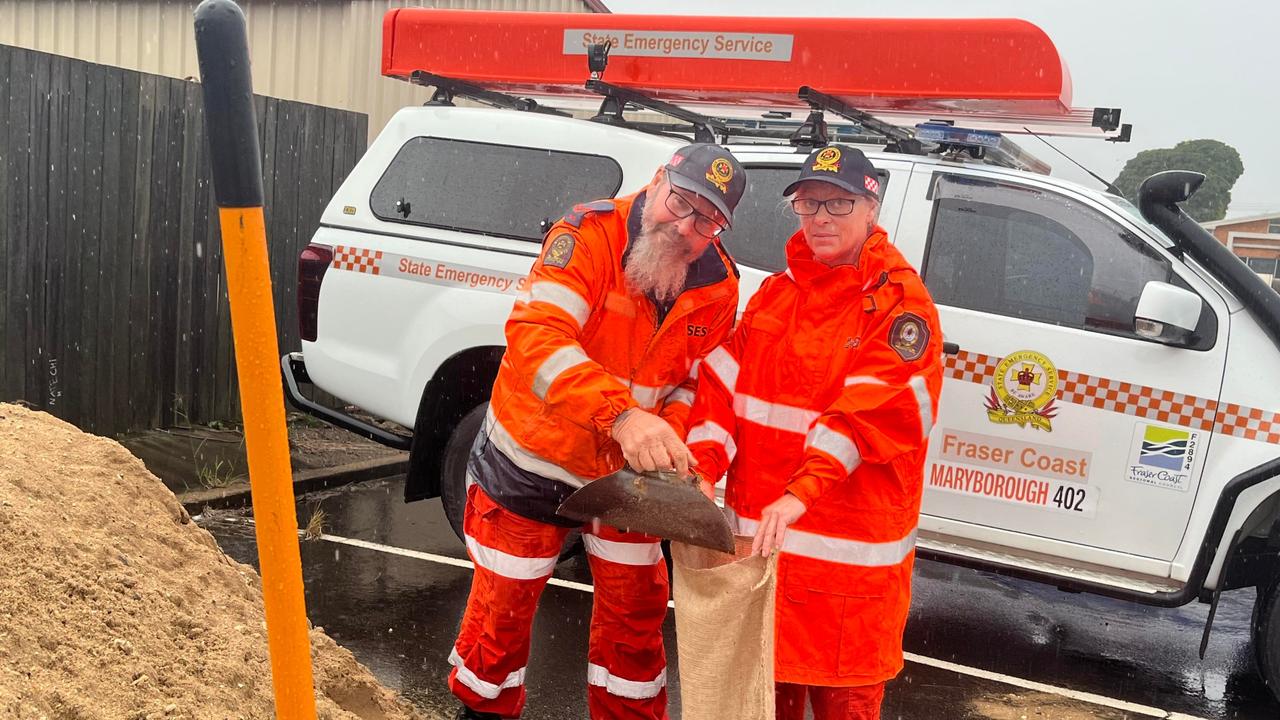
x=1247 y=422
x=362 y=260
x=1163 y=406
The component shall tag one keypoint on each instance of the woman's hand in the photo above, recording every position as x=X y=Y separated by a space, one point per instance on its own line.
x=707 y=487
x=774 y=520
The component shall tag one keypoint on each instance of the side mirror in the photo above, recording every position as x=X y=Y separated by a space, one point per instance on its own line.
x=1167 y=313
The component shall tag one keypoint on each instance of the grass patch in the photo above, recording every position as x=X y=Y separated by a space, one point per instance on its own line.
x=216 y=474
x=315 y=524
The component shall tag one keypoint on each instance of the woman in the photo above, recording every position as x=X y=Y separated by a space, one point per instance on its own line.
x=819 y=409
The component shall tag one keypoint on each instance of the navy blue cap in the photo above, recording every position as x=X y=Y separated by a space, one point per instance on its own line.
x=842 y=166
x=710 y=171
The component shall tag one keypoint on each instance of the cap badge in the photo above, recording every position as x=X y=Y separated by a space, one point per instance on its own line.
x=828 y=160
x=720 y=174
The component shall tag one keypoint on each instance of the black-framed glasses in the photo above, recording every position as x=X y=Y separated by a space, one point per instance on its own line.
x=834 y=206
x=679 y=206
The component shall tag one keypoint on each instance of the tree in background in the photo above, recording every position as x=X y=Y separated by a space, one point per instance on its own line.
x=1217 y=160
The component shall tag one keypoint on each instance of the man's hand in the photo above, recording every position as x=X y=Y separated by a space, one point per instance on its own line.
x=774 y=520
x=649 y=443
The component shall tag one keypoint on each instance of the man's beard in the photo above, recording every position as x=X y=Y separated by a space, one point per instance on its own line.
x=658 y=261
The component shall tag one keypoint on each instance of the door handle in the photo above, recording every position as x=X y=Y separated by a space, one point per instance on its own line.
x=950 y=348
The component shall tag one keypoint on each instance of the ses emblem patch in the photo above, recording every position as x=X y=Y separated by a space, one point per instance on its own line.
x=909 y=336
x=559 y=252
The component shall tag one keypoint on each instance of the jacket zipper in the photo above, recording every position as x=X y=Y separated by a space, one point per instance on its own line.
x=668 y=322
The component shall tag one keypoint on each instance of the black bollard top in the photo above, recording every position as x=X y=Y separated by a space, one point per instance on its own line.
x=223 y=50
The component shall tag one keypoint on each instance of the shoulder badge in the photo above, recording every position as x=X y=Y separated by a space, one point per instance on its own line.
x=574 y=217
x=909 y=336
x=559 y=251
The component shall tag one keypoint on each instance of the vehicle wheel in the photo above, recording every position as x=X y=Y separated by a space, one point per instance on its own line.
x=453 y=471
x=453 y=476
x=1266 y=635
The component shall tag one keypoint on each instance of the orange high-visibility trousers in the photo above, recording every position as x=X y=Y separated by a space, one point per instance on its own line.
x=856 y=702
x=514 y=556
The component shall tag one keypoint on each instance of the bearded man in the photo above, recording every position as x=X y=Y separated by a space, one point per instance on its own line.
x=602 y=348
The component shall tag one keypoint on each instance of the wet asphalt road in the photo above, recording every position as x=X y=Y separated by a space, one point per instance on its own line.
x=398 y=615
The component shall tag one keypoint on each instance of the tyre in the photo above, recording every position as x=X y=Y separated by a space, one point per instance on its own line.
x=1266 y=635
x=453 y=471
x=453 y=476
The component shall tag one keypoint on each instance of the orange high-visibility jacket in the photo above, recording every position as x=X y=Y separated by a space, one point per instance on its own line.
x=582 y=347
x=828 y=390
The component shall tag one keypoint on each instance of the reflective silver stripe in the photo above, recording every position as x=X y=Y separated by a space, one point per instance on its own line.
x=836 y=445
x=487 y=690
x=524 y=459
x=681 y=395
x=724 y=366
x=510 y=566
x=711 y=431
x=620 y=687
x=840 y=550
x=863 y=380
x=550 y=369
x=693 y=369
x=925 y=403
x=774 y=415
x=788 y=274
x=563 y=297
x=622 y=553
x=647 y=396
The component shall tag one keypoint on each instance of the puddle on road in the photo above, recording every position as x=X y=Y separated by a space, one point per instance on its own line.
x=1040 y=706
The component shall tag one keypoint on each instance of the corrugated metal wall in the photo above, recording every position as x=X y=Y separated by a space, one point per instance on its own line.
x=326 y=52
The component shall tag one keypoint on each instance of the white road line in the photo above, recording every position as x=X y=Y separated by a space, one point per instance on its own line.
x=912 y=657
x=442 y=559
x=1042 y=687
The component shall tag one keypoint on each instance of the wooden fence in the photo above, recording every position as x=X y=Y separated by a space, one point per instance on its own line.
x=113 y=304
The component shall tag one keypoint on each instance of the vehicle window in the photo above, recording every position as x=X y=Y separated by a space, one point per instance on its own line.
x=1025 y=253
x=1136 y=216
x=1266 y=269
x=763 y=221
x=490 y=189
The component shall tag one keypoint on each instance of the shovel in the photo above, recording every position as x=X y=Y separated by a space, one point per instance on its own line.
x=663 y=504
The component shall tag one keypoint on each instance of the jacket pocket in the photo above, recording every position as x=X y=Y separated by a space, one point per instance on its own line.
x=859 y=604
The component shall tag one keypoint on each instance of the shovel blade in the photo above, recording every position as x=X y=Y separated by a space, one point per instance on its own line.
x=670 y=509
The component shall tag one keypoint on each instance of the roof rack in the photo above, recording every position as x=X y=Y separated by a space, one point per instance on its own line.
x=446 y=89
x=812 y=133
x=617 y=98
x=899 y=139
x=940 y=135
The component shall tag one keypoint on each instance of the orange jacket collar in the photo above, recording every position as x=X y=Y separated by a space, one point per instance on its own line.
x=877 y=256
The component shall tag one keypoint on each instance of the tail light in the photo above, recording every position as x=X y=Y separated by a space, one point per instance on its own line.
x=312 y=264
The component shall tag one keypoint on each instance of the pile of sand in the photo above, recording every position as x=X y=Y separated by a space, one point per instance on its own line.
x=113 y=604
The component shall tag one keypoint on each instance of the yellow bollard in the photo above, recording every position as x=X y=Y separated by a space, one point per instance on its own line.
x=223 y=52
